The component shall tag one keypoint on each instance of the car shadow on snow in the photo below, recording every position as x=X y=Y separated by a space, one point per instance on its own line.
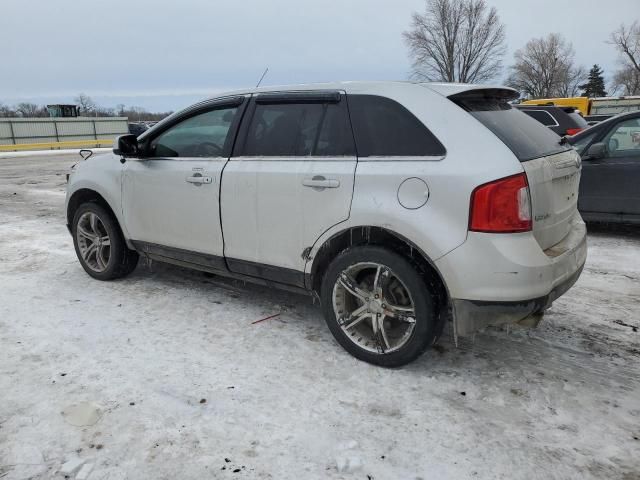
x=505 y=351
x=616 y=229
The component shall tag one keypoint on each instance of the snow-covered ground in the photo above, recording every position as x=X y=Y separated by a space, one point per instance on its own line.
x=163 y=375
x=56 y=153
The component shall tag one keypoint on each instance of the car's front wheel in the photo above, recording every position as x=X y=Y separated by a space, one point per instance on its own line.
x=99 y=244
x=378 y=307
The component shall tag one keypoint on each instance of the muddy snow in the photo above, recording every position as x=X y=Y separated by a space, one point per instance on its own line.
x=164 y=375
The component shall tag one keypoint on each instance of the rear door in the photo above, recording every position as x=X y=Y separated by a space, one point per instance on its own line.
x=611 y=184
x=289 y=180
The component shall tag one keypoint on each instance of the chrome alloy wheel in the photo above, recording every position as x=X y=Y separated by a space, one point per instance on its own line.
x=93 y=242
x=373 y=307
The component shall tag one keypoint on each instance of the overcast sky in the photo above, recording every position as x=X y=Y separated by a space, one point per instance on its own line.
x=165 y=55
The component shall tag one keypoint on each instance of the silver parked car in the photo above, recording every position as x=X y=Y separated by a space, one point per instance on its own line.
x=403 y=206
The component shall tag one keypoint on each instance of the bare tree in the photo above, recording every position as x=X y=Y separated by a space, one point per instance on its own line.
x=456 y=41
x=104 y=112
x=571 y=82
x=627 y=42
x=544 y=68
x=133 y=113
x=85 y=104
x=627 y=81
x=26 y=109
x=6 y=111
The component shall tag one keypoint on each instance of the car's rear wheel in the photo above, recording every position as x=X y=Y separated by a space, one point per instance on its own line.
x=99 y=243
x=378 y=307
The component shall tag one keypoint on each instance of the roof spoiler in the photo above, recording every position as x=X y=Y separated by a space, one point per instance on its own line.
x=466 y=90
x=504 y=94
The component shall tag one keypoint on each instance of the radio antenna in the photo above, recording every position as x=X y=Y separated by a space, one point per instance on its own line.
x=263 y=75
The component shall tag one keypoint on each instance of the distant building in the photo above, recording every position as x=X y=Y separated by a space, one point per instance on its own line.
x=62 y=110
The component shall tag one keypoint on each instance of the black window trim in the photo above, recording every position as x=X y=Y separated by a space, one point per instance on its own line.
x=313 y=96
x=210 y=105
x=272 y=98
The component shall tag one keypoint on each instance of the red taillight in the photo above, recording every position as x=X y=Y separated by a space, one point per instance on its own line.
x=573 y=131
x=501 y=206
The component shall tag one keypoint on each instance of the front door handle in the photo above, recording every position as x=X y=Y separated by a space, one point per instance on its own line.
x=319 y=182
x=198 y=179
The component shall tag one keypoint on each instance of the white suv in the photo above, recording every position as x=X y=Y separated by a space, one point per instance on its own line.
x=402 y=205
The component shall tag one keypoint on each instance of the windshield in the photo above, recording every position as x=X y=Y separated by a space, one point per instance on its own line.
x=580 y=144
x=525 y=137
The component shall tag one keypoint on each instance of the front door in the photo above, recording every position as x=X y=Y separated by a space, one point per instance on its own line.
x=289 y=180
x=171 y=197
x=611 y=184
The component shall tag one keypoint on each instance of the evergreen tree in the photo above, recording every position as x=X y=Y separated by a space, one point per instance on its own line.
x=595 y=84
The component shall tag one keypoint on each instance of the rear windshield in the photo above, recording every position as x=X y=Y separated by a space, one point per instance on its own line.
x=526 y=137
x=543 y=117
x=578 y=119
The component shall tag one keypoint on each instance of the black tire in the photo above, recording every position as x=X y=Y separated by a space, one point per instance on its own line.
x=122 y=261
x=426 y=324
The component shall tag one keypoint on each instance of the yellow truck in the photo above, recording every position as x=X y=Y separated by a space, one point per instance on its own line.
x=601 y=106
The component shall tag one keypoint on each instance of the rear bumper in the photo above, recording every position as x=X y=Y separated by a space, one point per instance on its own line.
x=472 y=315
x=494 y=279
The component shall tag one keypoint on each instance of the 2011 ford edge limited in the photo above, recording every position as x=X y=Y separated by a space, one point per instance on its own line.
x=402 y=206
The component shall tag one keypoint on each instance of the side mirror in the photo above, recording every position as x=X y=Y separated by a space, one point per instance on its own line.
x=126 y=145
x=596 y=151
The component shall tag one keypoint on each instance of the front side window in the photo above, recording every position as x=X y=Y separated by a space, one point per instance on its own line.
x=298 y=130
x=202 y=135
x=624 y=139
x=384 y=128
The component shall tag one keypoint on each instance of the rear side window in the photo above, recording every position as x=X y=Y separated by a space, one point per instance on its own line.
x=524 y=136
x=382 y=127
x=543 y=117
x=298 y=129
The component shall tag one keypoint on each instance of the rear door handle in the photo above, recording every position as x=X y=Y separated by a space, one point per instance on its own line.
x=199 y=180
x=319 y=182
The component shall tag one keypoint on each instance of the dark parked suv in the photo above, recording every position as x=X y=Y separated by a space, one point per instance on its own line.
x=562 y=120
x=610 y=184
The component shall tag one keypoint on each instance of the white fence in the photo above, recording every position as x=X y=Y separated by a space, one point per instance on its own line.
x=20 y=131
